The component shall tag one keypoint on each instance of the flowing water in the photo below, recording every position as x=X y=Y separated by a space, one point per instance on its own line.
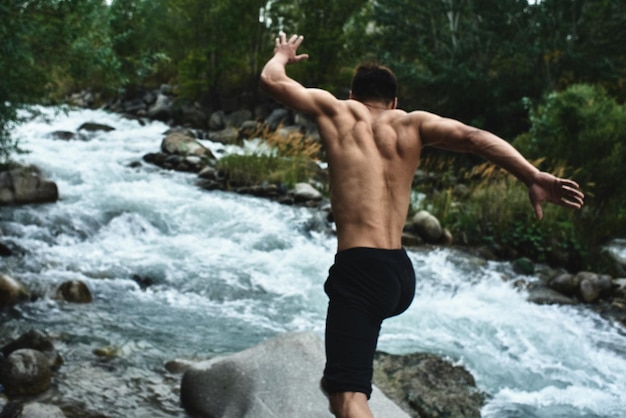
x=182 y=273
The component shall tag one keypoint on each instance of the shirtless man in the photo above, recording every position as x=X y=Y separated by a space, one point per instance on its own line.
x=373 y=151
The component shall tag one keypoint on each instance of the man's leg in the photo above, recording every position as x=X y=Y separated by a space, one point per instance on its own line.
x=351 y=339
x=350 y=405
x=362 y=290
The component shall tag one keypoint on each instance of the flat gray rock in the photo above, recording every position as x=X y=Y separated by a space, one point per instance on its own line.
x=275 y=379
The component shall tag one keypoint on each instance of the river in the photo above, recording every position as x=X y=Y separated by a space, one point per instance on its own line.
x=178 y=272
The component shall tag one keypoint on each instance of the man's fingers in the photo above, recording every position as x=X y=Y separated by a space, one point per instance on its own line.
x=302 y=57
x=290 y=46
x=571 y=194
x=280 y=39
x=298 y=41
x=568 y=203
x=577 y=198
x=570 y=183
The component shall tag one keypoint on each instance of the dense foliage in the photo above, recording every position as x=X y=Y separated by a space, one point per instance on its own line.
x=47 y=48
x=471 y=60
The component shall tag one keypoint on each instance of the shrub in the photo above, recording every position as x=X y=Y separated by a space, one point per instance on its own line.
x=497 y=213
x=290 y=160
x=257 y=168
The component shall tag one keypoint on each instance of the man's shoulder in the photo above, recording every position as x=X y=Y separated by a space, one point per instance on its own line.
x=416 y=117
x=420 y=114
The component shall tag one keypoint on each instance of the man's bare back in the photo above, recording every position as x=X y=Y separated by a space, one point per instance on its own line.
x=372 y=159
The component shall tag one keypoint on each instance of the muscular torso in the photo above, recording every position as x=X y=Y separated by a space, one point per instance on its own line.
x=372 y=157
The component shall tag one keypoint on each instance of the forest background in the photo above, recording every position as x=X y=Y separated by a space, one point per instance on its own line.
x=549 y=76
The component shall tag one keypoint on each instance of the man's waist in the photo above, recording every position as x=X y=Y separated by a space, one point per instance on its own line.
x=368 y=238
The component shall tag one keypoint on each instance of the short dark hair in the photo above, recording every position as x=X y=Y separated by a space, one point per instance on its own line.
x=374 y=81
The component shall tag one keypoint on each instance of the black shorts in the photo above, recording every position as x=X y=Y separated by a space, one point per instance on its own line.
x=364 y=286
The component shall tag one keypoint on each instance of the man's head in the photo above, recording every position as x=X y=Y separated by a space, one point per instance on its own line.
x=374 y=82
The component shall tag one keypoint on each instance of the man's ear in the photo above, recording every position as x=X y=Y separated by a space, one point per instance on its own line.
x=350 y=96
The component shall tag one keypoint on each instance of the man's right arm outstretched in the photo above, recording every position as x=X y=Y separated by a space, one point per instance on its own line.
x=277 y=84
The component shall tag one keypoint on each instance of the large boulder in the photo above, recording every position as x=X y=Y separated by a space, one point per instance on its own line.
x=594 y=286
x=428 y=386
x=26 y=185
x=427 y=227
x=227 y=136
x=182 y=144
x=161 y=109
x=584 y=285
x=12 y=292
x=95 y=127
x=237 y=118
x=32 y=410
x=25 y=372
x=523 y=265
x=565 y=283
x=137 y=105
x=74 y=291
x=278 y=117
x=250 y=129
x=35 y=340
x=277 y=378
x=303 y=192
x=217 y=121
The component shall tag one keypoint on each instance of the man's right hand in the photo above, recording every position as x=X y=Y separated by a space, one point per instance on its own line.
x=287 y=48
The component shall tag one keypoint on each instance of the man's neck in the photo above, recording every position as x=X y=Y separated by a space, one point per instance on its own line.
x=376 y=105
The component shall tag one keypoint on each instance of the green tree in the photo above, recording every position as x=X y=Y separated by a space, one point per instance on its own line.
x=476 y=60
x=463 y=59
x=137 y=40
x=581 y=41
x=25 y=35
x=45 y=45
x=217 y=46
x=89 y=60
